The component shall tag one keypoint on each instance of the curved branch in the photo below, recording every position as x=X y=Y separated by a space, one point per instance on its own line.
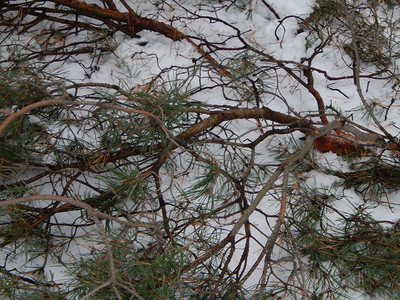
x=28 y=108
x=91 y=211
x=308 y=144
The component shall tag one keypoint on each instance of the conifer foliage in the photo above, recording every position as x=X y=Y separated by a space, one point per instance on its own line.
x=198 y=174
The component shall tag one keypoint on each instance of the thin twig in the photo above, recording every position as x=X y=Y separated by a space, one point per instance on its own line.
x=308 y=144
x=356 y=72
x=112 y=279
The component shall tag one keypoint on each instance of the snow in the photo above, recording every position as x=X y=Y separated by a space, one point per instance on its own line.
x=135 y=61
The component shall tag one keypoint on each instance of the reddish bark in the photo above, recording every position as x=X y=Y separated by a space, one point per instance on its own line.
x=343 y=143
x=128 y=22
x=337 y=145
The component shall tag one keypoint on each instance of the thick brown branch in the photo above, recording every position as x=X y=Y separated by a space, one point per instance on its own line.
x=132 y=23
x=240 y=113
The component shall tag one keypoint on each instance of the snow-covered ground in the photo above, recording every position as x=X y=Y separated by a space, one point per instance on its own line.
x=136 y=61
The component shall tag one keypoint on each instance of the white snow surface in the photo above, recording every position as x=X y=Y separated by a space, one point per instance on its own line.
x=135 y=64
